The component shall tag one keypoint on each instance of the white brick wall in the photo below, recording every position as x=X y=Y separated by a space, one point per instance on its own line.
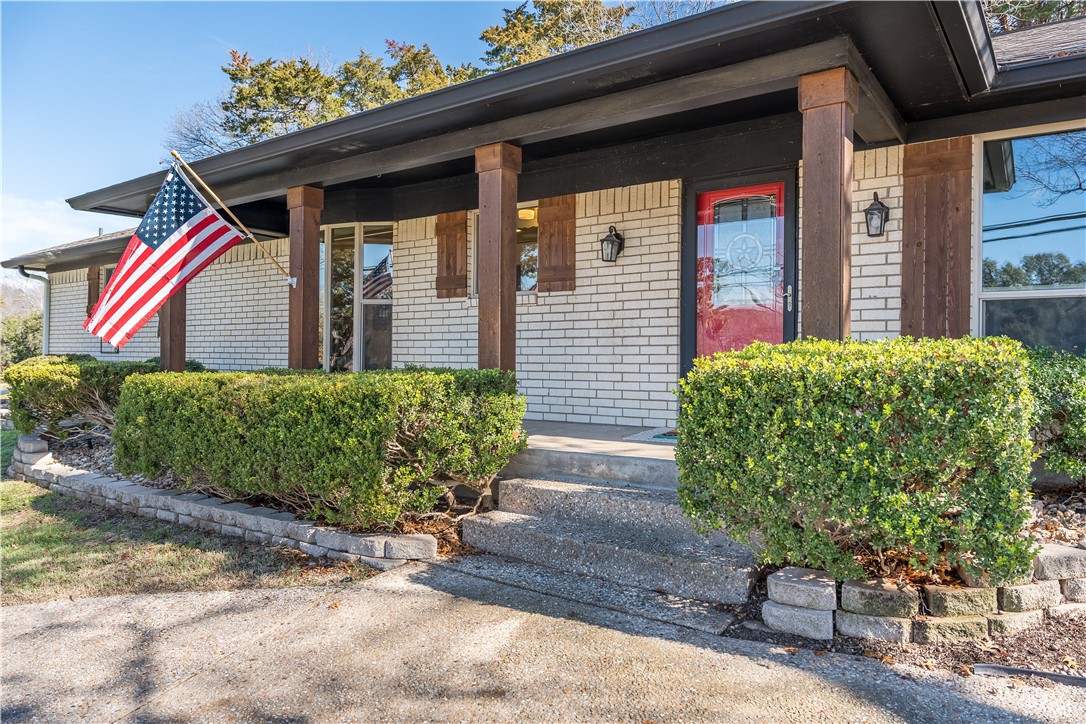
x=876 y=262
x=607 y=352
x=67 y=311
x=236 y=314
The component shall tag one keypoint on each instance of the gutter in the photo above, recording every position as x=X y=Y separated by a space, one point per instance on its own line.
x=45 y=307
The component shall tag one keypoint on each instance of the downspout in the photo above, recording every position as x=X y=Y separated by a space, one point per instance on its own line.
x=45 y=308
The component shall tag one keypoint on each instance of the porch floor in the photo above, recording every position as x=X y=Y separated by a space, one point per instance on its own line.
x=596 y=439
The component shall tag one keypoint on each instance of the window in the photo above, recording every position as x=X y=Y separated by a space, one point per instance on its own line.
x=104 y=273
x=356 y=297
x=1033 y=240
x=527 y=248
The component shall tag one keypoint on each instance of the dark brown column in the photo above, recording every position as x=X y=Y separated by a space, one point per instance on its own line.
x=497 y=165
x=171 y=333
x=828 y=100
x=303 y=317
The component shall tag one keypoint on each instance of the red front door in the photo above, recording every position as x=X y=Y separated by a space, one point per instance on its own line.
x=740 y=267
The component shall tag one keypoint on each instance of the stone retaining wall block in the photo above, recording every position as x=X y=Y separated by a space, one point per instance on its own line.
x=1006 y=623
x=933 y=630
x=1056 y=562
x=883 y=628
x=418 y=546
x=1067 y=610
x=226 y=513
x=383 y=564
x=232 y=530
x=949 y=602
x=255 y=536
x=880 y=597
x=808 y=622
x=312 y=550
x=1031 y=597
x=803 y=587
x=1074 y=589
x=373 y=546
x=32 y=444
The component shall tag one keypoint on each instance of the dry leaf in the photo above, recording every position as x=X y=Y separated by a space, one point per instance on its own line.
x=821 y=652
x=963 y=670
x=1069 y=661
x=929 y=664
x=791 y=649
x=334 y=604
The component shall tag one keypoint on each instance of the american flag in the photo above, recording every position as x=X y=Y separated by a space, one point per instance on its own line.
x=378 y=283
x=180 y=235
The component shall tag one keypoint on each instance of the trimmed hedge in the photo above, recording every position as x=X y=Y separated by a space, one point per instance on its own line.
x=356 y=449
x=1058 y=380
x=824 y=453
x=51 y=388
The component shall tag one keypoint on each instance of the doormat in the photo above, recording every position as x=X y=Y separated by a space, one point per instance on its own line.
x=663 y=435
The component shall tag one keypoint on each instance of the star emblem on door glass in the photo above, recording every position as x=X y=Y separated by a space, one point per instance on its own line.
x=744 y=251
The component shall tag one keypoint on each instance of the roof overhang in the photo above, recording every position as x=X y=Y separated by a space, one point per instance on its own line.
x=918 y=63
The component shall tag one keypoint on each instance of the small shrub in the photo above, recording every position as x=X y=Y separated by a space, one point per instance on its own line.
x=20 y=338
x=191 y=365
x=824 y=452
x=1058 y=381
x=48 y=389
x=356 y=449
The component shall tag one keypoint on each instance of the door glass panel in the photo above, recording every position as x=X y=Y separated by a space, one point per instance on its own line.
x=341 y=311
x=376 y=311
x=377 y=262
x=377 y=336
x=740 y=268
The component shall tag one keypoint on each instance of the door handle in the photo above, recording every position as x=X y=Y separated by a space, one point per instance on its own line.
x=788 y=297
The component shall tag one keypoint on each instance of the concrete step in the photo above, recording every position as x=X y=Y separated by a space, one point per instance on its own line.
x=650 y=605
x=686 y=566
x=596 y=502
x=545 y=463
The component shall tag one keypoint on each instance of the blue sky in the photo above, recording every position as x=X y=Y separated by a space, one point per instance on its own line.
x=89 y=89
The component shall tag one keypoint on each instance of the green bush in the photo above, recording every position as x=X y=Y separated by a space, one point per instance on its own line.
x=1058 y=381
x=356 y=449
x=191 y=365
x=20 y=338
x=51 y=388
x=820 y=452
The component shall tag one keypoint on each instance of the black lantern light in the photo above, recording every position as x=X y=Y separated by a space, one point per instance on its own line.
x=612 y=245
x=877 y=214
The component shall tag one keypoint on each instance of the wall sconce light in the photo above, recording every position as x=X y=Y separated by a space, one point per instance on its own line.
x=876 y=214
x=612 y=245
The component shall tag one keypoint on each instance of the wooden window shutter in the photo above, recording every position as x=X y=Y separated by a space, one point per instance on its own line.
x=452 y=255
x=558 y=244
x=936 y=225
x=94 y=285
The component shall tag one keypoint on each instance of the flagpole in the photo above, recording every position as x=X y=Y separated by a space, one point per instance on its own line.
x=248 y=234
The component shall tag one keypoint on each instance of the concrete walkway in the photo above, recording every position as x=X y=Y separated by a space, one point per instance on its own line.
x=429 y=642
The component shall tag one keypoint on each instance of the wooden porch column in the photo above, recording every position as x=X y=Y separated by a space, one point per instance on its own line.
x=828 y=100
x=171 y=332
x=303 y=316
x=497 y=165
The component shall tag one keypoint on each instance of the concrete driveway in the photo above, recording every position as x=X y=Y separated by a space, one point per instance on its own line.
x=430 y=642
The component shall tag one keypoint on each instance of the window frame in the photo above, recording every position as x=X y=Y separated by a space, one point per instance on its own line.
x=978 y=296
x=358 y=229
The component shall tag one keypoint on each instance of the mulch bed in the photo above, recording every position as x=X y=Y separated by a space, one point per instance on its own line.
x=1058 y=646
